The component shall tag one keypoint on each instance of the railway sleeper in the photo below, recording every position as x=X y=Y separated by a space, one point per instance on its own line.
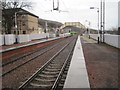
x=45 y=79
x=60 y=85
x=48 y=76
x=55 y=65
x=64 y=76
x=51 y=67
x=59 y=61
x=42 y=82
x=41 y=85
x=52 y=70
x=65 y=72
x=50 y=73
x=62 y=81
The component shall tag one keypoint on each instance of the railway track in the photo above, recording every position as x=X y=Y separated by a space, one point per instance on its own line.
x=25 y=54
x=52 y=74
x=28 y=57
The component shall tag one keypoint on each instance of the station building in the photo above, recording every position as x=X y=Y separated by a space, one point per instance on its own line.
x=77 y=24
x=22 y=22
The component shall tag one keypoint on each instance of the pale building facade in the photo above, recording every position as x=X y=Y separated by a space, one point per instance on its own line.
x=24 y=22
x=77 y=24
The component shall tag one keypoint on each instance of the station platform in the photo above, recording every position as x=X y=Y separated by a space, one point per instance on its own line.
x=77 y=76
x=20 y=45
x=101 y=63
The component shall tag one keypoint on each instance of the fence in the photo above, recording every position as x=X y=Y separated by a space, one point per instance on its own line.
x=52 y=35
x=9 y=39
x=1 y=40
x=23 y=38
x=112 y=40
x=94 y=36
x=39 y=36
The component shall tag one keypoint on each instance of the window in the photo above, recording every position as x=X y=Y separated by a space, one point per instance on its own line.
x=23 y=23
x=24 y=32
x=18 y=33
x=14 y=32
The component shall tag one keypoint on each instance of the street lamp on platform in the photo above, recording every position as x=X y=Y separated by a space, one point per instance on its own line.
x=98 y=19
x=16 y=27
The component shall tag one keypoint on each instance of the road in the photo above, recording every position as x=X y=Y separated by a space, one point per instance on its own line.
x=102 y=63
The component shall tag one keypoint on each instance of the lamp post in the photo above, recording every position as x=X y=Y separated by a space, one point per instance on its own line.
x=98 y=19
x=103 y=19
x=0 y=26
x=46 y=25
x=16 y=27
x=46 y=29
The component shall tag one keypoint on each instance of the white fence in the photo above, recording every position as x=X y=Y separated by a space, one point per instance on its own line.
x=39 y=36
x=23 y=38
x=112 y=40
x=9 y=39
x=1 y=40
x=52 y=35
x=94 y=36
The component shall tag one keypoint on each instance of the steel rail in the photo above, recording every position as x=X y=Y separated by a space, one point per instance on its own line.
x=24 y=63
x=42 y=68
x=61 y=71
x=35 y=51
x=7 y=72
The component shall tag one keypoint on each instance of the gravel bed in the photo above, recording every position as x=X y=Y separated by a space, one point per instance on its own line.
x=56 y=63
x=11 y=55
x=19 y=62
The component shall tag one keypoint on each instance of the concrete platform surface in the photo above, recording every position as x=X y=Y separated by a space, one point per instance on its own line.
x=77 y=76
x=102 y=63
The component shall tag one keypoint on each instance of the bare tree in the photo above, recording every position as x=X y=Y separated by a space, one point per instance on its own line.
x=6 y=4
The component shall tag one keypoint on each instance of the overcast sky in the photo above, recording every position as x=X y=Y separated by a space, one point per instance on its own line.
x=78 y=10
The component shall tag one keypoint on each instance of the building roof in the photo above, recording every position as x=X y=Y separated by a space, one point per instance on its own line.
x=19 y=10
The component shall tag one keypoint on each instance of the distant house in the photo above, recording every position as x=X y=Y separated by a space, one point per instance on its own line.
x=77 y=24
x=19 y=21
